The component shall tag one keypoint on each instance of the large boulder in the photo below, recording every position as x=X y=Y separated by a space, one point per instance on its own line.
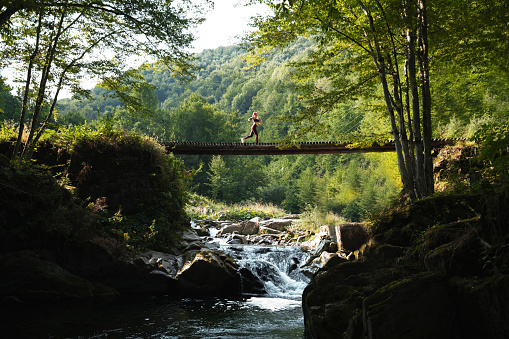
x=250 y=227
x=416 y=279
x=189 y=237
x=148 y=272
x=247 y=227
x=250 y=283
x=418 y=307
x=26 y=278
x=343 y=299
x=229 y=229
x=210 y=273
x=276 y=224
x=89 y=258
x=483 y=305
x=351 y=236
x=452 y=249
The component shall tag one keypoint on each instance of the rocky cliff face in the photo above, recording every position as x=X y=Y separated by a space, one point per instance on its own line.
x=436 y=269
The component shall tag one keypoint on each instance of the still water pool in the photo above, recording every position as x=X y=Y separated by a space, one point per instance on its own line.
x=163 y=317
x=275 y=315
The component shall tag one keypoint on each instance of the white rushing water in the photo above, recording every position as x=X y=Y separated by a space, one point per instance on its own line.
x=278 y=267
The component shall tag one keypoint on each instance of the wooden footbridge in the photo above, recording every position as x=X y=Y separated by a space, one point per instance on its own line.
x=219 y=148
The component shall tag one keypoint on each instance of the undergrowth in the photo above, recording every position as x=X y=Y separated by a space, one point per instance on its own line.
x=313 y=218
x=124 y=185
x=200 y=207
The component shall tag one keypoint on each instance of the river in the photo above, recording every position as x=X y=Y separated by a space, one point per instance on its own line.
x=278 y=314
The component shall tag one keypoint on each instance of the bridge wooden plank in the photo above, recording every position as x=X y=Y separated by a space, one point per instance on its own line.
x=277 y=149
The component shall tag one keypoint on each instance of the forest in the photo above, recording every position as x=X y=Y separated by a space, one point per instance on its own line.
x=227 y=84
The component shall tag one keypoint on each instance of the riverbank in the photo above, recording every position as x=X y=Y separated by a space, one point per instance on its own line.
x=92 y=235
x=438 y=268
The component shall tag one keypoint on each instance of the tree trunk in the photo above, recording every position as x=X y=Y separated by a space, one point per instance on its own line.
x=24 y=106
x=379 y=61
x=30 y=143
x=426 y=97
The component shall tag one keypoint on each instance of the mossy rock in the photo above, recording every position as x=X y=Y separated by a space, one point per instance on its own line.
x=417 y=307
x=209 y=273
x=483 y=306
x=403 y=225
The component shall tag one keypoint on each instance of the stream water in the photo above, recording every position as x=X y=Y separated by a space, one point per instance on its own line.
x=278 y=314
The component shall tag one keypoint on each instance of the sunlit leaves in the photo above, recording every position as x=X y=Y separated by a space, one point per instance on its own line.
x=99 y=39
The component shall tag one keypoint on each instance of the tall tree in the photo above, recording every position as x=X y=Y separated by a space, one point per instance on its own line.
x=59 y=43
x=387 y=40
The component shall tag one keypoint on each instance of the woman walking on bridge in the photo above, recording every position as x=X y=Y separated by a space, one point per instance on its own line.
x=256 y=121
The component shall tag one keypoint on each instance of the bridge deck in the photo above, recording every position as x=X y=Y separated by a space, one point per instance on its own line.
x=278 y=149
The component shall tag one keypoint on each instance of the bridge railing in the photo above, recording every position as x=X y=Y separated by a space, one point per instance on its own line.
x=218 y=148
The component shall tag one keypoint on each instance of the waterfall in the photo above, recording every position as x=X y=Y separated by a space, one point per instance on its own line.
x=278 y=267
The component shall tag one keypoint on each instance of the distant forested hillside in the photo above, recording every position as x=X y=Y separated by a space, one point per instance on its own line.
x=224 y=83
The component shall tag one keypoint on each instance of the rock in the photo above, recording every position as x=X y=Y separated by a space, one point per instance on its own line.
x=351 y=236
x=387 y=253
x=452 y=250
x=328 y=288
x=291 y=216
x=269 y=231
x=201 y=227
x=195 y=246
x=249 y=227
x=202 y=232
x=209 y=273
x=149 y=272
x=25 y=278
x=483 y=306
x=165 y=263
x=417 y=307
x=276 y=224
x=325 y=245
x=326 y=256
x=314 y=243
x=335 y=260
x=429 y=272
x=229 y=229
x=88 y=259
x=329 y=231
x=237 y=239
x=251 y=284
x=189 y=235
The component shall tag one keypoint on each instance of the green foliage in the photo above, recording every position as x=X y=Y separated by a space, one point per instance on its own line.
x=36 y=212
x=200 y=207
x=493 y=154
x=7 y=131
x=146 y=189
x=473 y=33
x=235 y=179
x=460 y=113
x=72 y=119
x=10 y=106
x=50 y=46
x=312 y=218
x=132 y=189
